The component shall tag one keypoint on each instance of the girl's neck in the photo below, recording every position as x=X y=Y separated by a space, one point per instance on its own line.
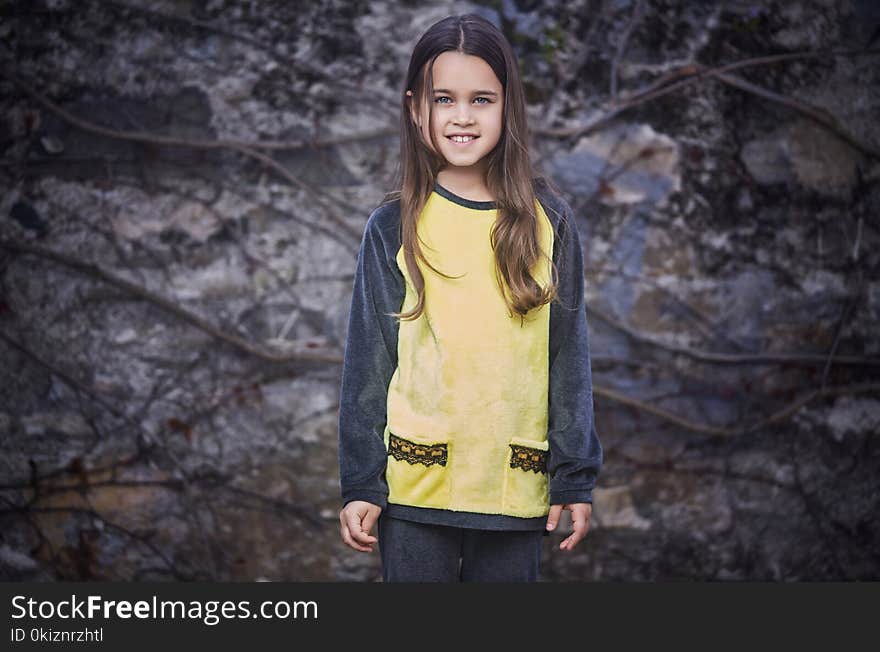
x=468 y=186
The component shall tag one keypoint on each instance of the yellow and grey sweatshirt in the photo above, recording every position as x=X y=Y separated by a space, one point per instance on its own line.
x=469 y=415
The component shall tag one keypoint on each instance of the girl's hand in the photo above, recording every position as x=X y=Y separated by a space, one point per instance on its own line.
x=580 y=518
x=356 y=520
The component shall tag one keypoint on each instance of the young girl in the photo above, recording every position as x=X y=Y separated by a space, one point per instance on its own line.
x=466 y=410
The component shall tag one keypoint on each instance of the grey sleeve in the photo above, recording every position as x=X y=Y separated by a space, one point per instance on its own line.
x=575 y=450
x=369 y=363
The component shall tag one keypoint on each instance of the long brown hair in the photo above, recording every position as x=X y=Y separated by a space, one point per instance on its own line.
x=509 y=173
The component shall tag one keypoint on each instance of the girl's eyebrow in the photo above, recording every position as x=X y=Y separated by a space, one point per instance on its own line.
x=446 y=90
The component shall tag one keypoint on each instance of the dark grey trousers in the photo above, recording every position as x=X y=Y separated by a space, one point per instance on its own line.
x=420 y=552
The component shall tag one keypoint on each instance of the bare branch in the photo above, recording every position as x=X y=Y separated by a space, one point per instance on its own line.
x=245 y=148
x=734 y=358
x=691 y=74
x=785 y=412
x=636 y=18
x=168 y=305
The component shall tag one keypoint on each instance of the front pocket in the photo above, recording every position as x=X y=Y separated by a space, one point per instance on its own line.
x=526 y=478
x=417 y=472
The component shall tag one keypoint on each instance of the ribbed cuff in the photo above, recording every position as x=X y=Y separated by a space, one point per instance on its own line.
x=571 y=496
x=375 y=497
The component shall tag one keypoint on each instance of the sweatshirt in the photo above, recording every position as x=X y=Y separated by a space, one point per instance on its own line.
x=470 y=415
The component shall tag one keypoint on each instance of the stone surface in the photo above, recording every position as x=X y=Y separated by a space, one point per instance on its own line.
x=714 y=220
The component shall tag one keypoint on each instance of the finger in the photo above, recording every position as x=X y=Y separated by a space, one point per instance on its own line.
x=349 y=540
x=346 y=537
x=553 y=517
x=367 y=525
x=572 y=541
x=581 y=527
x=353 y=522
x=581 y=523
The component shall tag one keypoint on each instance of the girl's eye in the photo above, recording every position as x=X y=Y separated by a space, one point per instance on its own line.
x=446 y=97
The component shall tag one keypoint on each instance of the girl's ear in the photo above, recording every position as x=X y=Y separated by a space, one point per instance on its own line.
x=412 y=112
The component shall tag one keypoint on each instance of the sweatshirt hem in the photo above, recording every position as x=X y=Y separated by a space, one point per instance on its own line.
x=473 y=520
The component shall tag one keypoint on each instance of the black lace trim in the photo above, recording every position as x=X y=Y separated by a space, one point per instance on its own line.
x=409 y=451
x=529 y=459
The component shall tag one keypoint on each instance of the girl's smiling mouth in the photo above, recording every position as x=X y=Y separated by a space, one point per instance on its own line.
x=462 y=140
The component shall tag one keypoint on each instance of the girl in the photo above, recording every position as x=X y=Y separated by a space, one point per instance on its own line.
x=466 y=408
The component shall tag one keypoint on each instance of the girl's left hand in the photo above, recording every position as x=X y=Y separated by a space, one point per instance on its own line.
x=580 y=518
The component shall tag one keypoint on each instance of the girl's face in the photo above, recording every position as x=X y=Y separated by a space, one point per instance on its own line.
x=468 y=99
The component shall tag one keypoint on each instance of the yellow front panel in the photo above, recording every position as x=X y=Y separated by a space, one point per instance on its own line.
x=469 y=374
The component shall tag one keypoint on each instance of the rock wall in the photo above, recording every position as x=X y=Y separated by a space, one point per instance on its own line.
x=185 y=188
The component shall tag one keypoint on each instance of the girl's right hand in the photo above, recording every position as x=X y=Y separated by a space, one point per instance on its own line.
x=356 y=520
